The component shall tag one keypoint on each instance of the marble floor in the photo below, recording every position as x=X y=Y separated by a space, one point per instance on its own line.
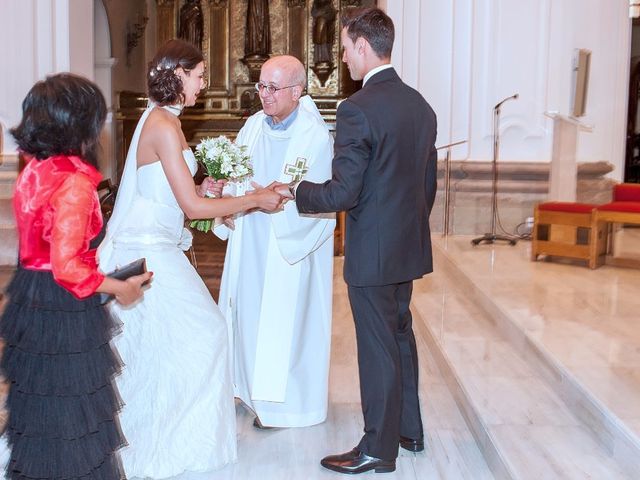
x=294 y=454
x=512 y=355
x=451 y=450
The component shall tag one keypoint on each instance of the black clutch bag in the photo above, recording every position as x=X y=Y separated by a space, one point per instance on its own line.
x=137 y=267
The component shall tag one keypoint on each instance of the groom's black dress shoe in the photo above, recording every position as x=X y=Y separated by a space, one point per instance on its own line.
x=356 y=461
x=411 y=444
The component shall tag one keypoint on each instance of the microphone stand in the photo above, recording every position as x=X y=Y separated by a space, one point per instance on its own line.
x=492 y=237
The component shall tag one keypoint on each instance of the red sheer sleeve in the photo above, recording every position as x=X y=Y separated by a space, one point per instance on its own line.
x=72 y=263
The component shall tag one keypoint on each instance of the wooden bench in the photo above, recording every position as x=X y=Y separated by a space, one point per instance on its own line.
x=623 y=210
x=568 y=229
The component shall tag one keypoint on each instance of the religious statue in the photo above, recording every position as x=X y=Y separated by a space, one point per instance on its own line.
x=190 y=26
x=257 y=40
x=323 y=36
x=258 y=36
x=324 y=16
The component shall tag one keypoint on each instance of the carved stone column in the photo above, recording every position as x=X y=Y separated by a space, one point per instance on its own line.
x=217 y=45
x=167 y=13
x=297 y=31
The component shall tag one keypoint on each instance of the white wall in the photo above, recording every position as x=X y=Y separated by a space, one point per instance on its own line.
x=35 y=41
x=464 y=56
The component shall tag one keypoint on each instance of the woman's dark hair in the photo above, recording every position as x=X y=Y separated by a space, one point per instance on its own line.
x=62 y=115
x=374 y=26
x=165 y=86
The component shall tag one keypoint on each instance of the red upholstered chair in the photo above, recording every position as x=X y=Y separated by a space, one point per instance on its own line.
x=626 y=192
x=568 y=229
x=625 y=209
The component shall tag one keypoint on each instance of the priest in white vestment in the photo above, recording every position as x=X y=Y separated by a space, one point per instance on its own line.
x=276 y=290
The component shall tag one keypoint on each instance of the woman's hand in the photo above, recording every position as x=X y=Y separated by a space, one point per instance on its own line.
x=210 y=188
x=268 y=200
x=130 y=290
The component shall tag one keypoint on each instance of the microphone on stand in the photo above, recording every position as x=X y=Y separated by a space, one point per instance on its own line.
x=492 y=236
x=512 y=97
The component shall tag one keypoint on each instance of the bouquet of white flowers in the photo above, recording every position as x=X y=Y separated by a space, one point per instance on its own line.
x=222 y=159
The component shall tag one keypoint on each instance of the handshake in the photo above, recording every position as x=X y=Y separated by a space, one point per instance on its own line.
x=214 y=189
x=283 y=191
x=270 y=199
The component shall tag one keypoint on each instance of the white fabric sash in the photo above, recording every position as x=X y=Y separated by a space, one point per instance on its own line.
x=125 y=197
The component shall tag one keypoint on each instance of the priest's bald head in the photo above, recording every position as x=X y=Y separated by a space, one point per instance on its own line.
x=282 y=81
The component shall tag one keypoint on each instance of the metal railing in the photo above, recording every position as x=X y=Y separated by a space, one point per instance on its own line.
x=447 y=184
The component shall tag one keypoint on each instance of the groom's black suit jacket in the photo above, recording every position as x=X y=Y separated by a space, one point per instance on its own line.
x=384 y=176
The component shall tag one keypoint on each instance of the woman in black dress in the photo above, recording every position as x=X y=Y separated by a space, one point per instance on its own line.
x=57 y=356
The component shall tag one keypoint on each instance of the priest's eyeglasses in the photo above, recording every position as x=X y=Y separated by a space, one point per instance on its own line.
x=271 y=89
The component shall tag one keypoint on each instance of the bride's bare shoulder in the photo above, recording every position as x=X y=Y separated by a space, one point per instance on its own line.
x=161 y=123
x=162 y=118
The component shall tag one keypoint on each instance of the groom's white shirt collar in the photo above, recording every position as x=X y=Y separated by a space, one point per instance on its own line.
x=373 y=71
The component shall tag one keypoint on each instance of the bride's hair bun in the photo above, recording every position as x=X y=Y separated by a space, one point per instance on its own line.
x=164 y=84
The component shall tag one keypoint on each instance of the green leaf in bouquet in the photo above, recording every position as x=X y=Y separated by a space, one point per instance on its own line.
x=201 y=225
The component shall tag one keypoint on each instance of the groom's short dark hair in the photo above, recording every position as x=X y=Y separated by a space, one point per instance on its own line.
x=372 y=24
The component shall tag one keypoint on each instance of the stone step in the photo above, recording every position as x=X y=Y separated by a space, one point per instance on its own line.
x=577 y=327
x=522 y=424
x=8 y=247
x=8 y=175
x=9 y=162
x=8 y=234
x=7 y=219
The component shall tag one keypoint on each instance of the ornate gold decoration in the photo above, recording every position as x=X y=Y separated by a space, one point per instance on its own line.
x=134 y=34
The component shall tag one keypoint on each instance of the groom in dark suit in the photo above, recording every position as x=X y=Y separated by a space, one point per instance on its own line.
x=384 y=176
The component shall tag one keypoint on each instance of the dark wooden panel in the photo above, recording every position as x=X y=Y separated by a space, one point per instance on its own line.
x=218 y=68
x=297 y=34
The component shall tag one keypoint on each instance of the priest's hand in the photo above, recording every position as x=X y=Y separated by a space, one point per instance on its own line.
x=210 y=188
x=281 y=188
x=270 y=201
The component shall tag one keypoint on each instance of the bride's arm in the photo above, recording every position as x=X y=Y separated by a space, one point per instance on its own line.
x=165 y=142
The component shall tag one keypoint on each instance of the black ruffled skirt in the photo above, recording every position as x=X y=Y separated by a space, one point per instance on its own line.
x=62 y=401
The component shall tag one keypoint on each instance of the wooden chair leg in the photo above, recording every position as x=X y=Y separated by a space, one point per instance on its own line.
x=534 y=236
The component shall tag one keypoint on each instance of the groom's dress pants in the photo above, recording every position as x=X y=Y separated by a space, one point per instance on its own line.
x=388 y=364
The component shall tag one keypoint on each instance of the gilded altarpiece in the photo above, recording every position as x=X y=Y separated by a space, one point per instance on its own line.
x=296 y=27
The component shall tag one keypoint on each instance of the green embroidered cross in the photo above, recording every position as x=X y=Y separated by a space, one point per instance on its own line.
x=298 y=170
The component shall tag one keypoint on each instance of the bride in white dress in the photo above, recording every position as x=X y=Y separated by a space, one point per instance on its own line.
x=179 y=413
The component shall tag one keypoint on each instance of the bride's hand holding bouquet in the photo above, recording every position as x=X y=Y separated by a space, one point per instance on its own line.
x=224 y=161
x=211 y=188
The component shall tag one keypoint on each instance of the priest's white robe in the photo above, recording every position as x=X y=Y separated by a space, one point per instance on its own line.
x=276 y=289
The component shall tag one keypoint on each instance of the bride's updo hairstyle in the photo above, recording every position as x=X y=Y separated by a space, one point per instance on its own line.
x=165 y=86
